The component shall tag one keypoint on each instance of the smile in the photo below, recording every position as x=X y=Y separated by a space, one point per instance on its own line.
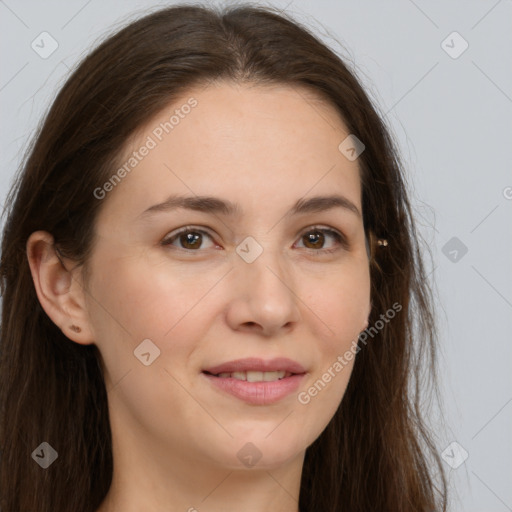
x=255 y=376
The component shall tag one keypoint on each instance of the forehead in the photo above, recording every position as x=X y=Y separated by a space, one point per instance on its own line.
x=253 y=143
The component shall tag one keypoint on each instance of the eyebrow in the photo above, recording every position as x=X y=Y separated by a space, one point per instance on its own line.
x=215 y=205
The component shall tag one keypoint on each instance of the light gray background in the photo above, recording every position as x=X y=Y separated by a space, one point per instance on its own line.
x=452 y=119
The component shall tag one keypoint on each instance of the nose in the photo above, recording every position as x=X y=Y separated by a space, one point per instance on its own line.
x=264 y=299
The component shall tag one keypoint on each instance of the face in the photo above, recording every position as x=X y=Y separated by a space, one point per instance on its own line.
x=176 y=291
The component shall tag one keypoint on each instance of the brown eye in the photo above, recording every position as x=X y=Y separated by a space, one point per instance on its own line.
x=188 y=238
x=191 y=240
x=315 y=240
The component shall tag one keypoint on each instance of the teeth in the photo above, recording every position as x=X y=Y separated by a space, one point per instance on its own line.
x=255 y=376
x=252 y=376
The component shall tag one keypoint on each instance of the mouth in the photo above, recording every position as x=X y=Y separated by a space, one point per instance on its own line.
x=253 y=375
x=253 y=366
x=256 y=381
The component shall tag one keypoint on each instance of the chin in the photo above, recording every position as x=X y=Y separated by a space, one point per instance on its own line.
x=261 y=452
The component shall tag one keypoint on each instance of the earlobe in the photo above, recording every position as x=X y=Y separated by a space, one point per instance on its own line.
x=59 y=292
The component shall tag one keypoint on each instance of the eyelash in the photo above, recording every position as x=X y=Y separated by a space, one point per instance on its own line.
x=342 y=241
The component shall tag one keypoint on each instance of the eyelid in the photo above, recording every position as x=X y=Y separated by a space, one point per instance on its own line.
x=170 y=237
x=338 y=235
x=335 y=233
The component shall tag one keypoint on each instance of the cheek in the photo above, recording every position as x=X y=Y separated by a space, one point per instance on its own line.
x=341 y=300
x=136 y=301
x=148 y=300
x=133 y=301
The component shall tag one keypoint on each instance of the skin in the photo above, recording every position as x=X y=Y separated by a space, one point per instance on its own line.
x=175 y=437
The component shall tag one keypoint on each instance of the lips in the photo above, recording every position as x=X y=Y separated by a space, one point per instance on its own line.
x=254 y=364
x=265 y=382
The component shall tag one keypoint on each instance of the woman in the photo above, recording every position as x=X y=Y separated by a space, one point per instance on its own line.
x=213 y=296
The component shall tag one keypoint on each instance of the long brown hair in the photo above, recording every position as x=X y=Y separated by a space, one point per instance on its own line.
x=377 y=452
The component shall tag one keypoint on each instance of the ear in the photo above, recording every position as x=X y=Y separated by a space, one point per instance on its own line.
x=59 y=288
